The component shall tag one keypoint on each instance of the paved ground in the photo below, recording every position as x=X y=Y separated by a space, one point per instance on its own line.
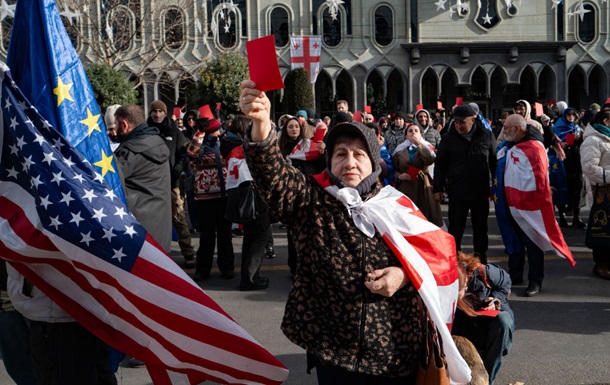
x=562 y=336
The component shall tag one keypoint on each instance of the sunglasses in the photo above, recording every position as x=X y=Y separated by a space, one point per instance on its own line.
x=570 y=114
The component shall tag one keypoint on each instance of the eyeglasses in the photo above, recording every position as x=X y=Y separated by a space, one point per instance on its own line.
x=190 y=119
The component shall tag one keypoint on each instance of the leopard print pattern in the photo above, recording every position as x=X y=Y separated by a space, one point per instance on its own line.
x=329 y=312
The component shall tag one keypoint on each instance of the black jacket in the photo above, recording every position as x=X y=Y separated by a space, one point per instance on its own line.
x=175 y=141
x=464 y=166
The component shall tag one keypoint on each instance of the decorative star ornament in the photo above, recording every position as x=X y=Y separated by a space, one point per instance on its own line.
x=581 y=11
x=6 y=10
x=227 y=28
x=333 y=8
x=440 y=4
x=451 y=12
x=487 y=19
x=555 y=3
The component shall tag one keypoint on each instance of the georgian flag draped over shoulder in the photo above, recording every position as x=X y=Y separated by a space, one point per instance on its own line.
x=237 y=167
x=528 y=194
x=305 y=150
x=63 y=227
x=305 y=53
x=426 y=252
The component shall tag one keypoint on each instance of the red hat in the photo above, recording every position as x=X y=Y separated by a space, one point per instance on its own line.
x=213 y=126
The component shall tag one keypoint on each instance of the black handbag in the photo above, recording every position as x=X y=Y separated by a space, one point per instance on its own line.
x=598 y=229
x=242 y=206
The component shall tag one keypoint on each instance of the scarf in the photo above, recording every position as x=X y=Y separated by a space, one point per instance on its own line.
x=426 y=253
x=601 y=129
x=562 y=127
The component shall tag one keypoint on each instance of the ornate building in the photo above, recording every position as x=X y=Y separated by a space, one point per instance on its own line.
x=388 y=54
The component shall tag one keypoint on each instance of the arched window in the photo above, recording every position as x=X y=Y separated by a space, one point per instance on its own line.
x=384 y=32
x=280 y=26
x=331 y=29
x=586 y=26
x=226 y=36
x=174 y=28
x=120 y=20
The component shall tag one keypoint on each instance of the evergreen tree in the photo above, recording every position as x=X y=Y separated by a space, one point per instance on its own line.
x=298 y=92
x=110 y=86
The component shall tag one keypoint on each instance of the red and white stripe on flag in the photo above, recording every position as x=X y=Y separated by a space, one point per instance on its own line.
x=237 y=167
x=154 y=311
x=305 y=53
x=305 y=150
x=529 y=197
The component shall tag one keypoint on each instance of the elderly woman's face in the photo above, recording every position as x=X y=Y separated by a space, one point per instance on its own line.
x=350 y=161
x=293 y=129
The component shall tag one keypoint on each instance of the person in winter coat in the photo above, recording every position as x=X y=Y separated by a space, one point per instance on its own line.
x=595 y=161
x=426 y=127
x=464 y=162
x=488 y=288
x=175 y=141
x=411 y=161
x=351 y=306
x=143 y=160
x=397 y=132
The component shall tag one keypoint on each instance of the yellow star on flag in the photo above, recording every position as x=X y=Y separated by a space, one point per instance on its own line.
x=555 y=167
x=91 y=122
x=105 y=164
x=495 y=198
x=62 y=91
x=495 y=181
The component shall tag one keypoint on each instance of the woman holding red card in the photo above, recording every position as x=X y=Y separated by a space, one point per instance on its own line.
x=412 y=159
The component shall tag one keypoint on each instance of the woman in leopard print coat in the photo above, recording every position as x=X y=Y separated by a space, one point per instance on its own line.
x=351 y=306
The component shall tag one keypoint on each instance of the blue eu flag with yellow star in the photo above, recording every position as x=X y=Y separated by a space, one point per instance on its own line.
x=49 y=72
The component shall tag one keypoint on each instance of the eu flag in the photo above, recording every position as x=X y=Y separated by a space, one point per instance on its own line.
x=47 y=68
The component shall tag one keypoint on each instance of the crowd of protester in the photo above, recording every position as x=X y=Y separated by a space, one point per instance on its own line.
x=431 y=156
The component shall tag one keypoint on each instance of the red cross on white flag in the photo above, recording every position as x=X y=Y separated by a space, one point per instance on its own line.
x=305 y=53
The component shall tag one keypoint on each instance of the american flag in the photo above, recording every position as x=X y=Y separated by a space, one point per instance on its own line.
x=426 y=252
x=63 y=228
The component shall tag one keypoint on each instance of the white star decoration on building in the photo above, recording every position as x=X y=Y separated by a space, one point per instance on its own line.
x=487 y=19
x=6 y=10
x=333 y=8
x=581 y=11
x=440 y=4
x=555 y=3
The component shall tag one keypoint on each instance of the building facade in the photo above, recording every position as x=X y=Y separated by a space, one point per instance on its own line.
x=391 y=55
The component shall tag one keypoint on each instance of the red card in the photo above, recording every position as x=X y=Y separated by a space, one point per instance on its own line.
x=206 y=112
x=177 y=112
x=218 y=106
x=262 y=63
x=550 y=104
x=319 y=135
x=607 y=101
x=439 y=105
x=538 y=108
x=459 y=100
x=419 y=107
x=488 y=313
x=367 y=109
x=570 y=138
x=413 y=172
x=357 y=117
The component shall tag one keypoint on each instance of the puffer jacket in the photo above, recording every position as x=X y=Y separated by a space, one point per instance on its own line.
x=595 y=156
x=329 y=312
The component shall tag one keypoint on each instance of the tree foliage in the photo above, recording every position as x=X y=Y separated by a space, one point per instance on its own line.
x=110 y=86
x=298 y=92
x=219 y=82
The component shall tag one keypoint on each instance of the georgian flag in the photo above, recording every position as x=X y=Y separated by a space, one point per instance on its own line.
x=426 y=252
x=305 y=53
x=237 y=168
x=305 y=150
x=528 y=194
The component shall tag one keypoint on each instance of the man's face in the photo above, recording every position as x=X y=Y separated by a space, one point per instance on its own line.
x=368 y=118
x=342 y=107
x=350 y=161
x=399 y=121
x=464 y=126
x=520 y=110
x=157 y=115
x=122 y=129
x=180 y=123
x=423 y=119
x=301 y=119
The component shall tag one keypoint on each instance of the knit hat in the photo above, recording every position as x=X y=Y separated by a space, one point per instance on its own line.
x=157 y=105
x=109 y=116
x=561 y=106
x=372 y=146
x=595 y=107
x=302 y=113
x=400 y=114
x=213 y=126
